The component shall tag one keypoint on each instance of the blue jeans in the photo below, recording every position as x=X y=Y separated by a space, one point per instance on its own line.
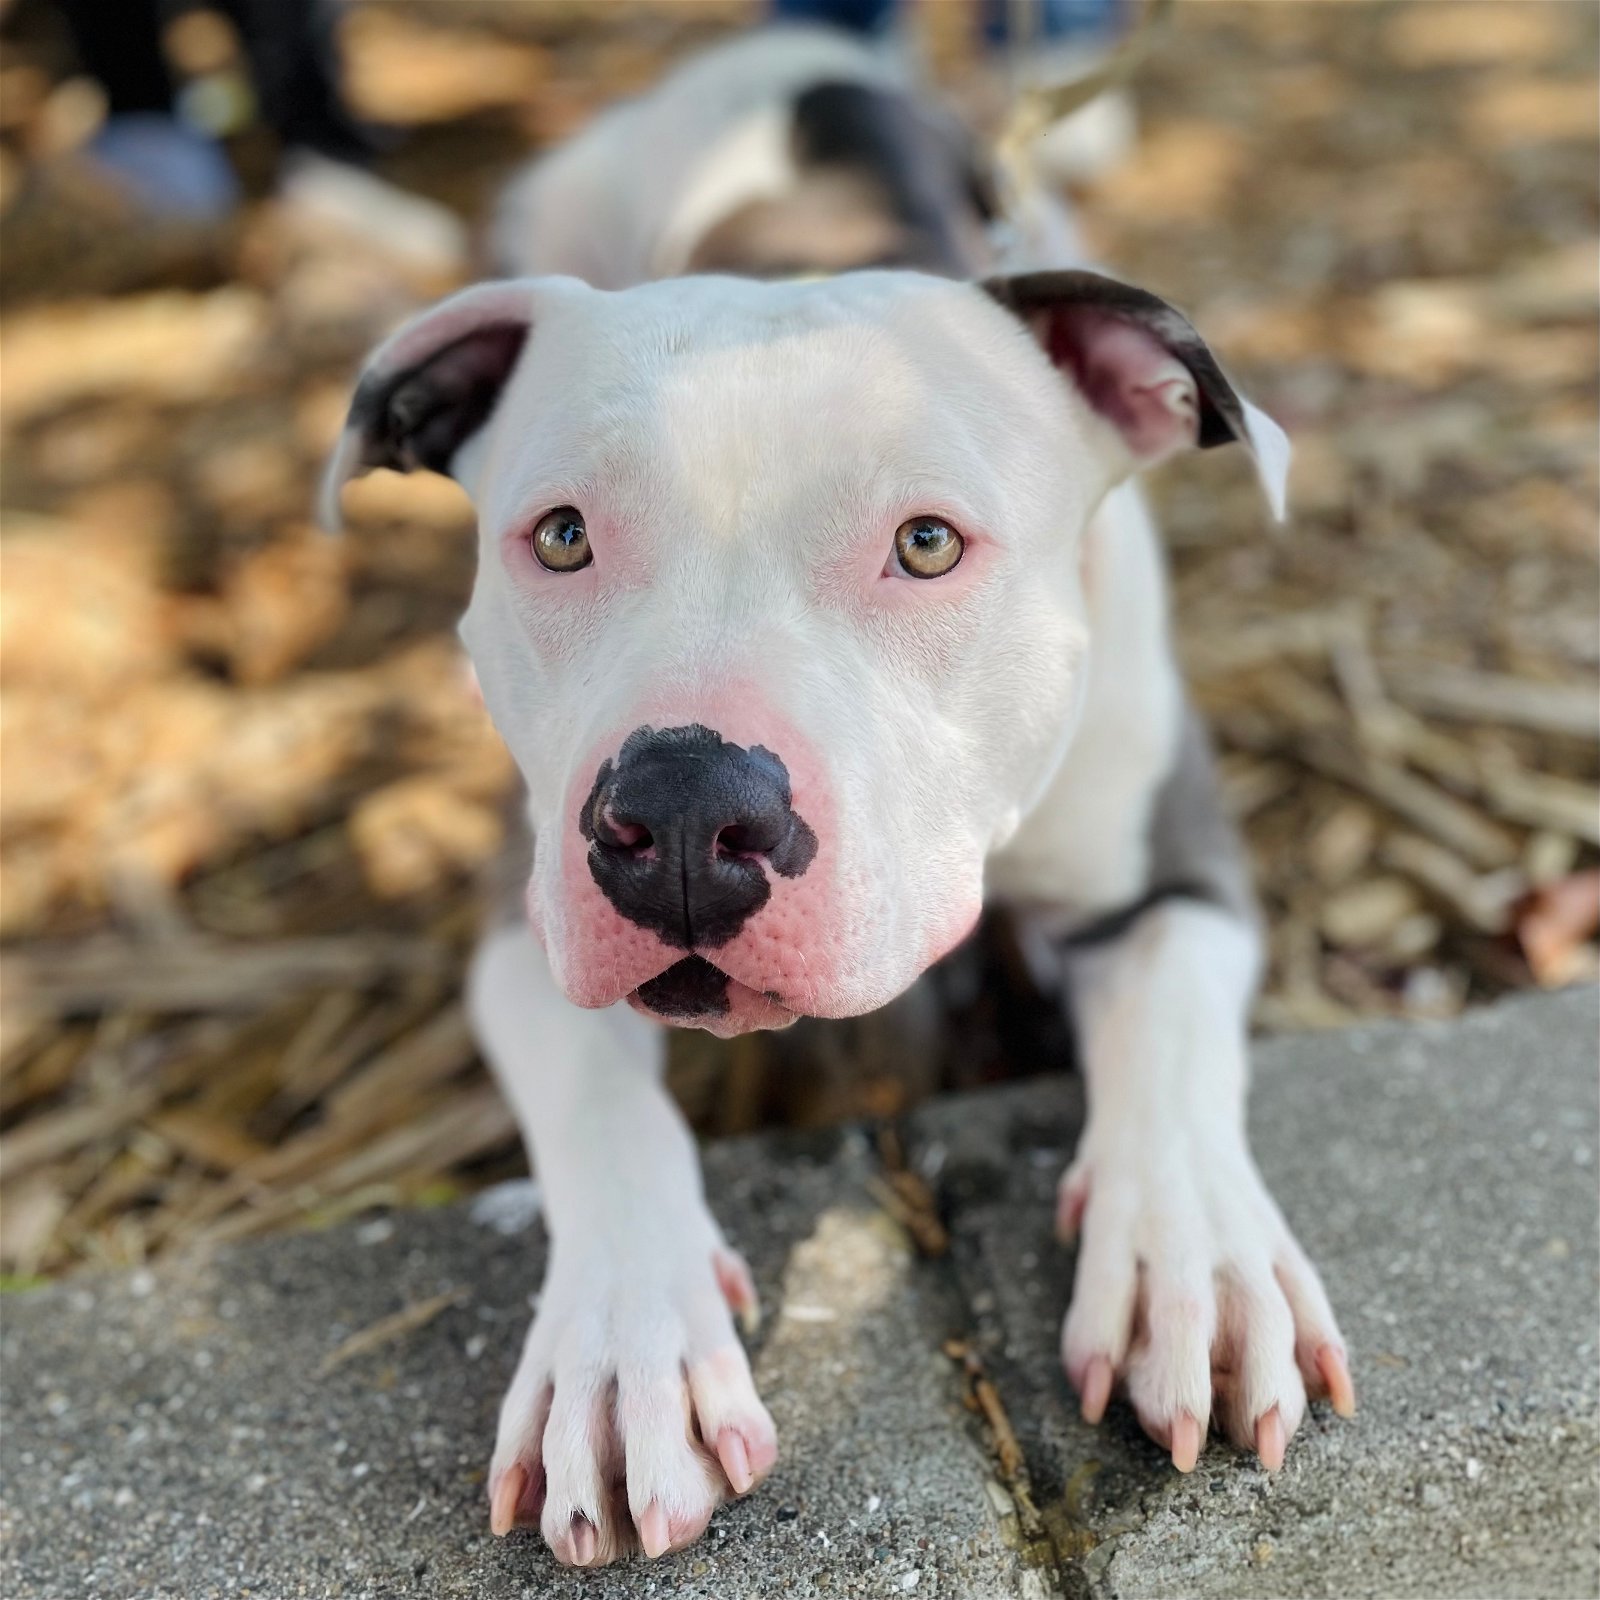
x=1055 y=19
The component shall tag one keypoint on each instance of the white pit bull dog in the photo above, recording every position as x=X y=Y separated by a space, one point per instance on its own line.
x=815 y=614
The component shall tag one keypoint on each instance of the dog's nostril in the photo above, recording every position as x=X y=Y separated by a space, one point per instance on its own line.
x=621 y=834
x=738 y=841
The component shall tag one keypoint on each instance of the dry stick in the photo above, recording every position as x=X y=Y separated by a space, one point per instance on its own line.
x=364 y=1111
x=1435 y=753
x=203 y=1054
x=1482 y=902
x=1361 y=684
x=1007 y=1451
x=261 y=1179
x=406 y=1320
x=44 y=1071
x=1452 y=822
x=427 y=1055
x=208 y=1141
x=123 y=1180
x=926 y=1231
x=1266 y=643
x=244 y=1079
x=54 y=1134
x=1459 y=692
x=34 y=1209
x=22 y=1039
x=308 y=1078
x=1543 y=801
x=905 y=1195
x=1249 y=784
x=453 y=1131
x=1385 y=729
x=202 y=975
x=302 y=1071
x=465 y=1125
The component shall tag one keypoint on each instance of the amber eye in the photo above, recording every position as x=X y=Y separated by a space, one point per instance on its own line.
x=560 y=540
x=927 y=547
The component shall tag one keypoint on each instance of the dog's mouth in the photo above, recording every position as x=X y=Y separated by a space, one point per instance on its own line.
x=693 y=993
x=687 y=991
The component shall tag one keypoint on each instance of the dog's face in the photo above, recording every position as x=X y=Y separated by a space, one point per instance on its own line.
x=779 y=602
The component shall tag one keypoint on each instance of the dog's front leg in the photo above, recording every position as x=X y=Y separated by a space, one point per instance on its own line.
x=1190 y=1291
x=633 y=1411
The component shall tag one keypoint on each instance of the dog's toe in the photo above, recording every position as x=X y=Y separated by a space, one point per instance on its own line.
x=1259 y=1394
x=516 y=1497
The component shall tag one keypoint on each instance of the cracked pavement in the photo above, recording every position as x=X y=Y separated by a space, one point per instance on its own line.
x=168 y=1432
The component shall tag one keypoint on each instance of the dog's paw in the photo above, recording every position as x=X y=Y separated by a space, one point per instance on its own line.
x=633 y=1414
x=1192 y=1296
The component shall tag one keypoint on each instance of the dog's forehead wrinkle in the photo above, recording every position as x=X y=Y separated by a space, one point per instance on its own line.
x=729 y=408
x=714 y=457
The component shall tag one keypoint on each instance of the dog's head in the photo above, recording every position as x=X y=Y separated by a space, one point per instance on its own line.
x=778 y=604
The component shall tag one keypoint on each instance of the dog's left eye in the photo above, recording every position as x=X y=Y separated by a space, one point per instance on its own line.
x=560 y=541
x=926 y=547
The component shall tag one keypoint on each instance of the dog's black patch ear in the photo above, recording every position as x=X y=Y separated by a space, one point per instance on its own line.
x=430 y=386
x=1143 y=367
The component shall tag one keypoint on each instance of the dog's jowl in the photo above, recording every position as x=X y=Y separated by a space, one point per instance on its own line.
x=816 y=612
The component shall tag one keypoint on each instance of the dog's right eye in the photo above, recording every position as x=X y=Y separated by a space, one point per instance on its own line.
x=926 y=547
x=560 y=541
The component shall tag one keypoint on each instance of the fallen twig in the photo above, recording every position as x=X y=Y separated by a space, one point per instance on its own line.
x=1471 y=696
x=1002 y=1436
x=1423 y=804
x=201 y=975
x=54 y=1134
x=905 y=1195
x=406 y=1320
x=1542 y=801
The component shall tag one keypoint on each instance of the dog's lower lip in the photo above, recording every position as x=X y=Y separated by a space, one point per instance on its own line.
x=690 y=988
x=771 y=996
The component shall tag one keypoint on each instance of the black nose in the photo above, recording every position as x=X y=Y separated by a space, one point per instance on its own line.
x=682 y=827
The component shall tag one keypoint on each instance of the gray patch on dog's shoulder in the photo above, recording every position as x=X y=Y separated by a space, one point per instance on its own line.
x=1192 y=838
x=1195 y=850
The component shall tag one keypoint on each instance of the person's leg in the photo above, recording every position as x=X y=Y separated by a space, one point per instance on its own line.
x=119 y=46
x=858 y=16
x=149 y=153
x=1054 y=21
x=324 y=173
x=293 y=50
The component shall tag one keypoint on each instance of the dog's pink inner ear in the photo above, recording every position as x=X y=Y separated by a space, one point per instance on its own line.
x=1142 y=367
x=1127 y=375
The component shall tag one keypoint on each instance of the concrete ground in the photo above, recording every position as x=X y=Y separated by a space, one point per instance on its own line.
x=181 y=1432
